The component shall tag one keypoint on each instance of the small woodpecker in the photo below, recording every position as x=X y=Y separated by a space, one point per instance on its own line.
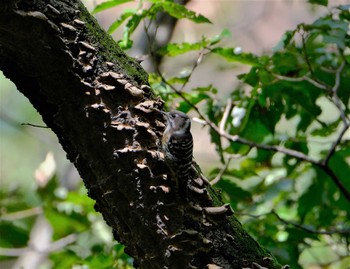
x=177 y=146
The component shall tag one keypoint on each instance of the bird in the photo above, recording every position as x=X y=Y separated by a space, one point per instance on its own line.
x=177 y=147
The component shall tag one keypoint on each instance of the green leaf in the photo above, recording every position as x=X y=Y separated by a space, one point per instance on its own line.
x=234 y=192
x=178 y=80
x=341 y=167
x=216 y=39
x=328 y=130
x=243 y=58
x=194 y=97
x=319 y=2
x=328 y=23
x=126 y=14
x=130 y=27
x=251 y=78
x=285 y=41
x=257 y=129
x=13 y=234
x=174 y=49
x=287 y=63
x=180 y=12
x=102 y=261
x=69 y=261
x=109 y=4
x=310 y=199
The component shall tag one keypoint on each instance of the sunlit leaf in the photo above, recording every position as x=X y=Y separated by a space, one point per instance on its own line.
x=109 y=4
x=243 y=58
x=216 y=39
x=126 y=14
x=174 y=49
x=180 y=12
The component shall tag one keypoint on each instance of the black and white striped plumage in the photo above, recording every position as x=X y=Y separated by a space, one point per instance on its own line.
x=177 y=145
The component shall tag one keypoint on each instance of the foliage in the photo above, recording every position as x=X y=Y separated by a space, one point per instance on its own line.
x=289 y=180
x=79 y=233
x=285 y=126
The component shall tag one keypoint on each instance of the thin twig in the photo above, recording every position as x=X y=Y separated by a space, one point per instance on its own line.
x=62 y=242
x=225 y=115
x=224 y=168
x=306 y=57
x=299 y=226
x=221 y=172
x=300 y=79
x=335 y=179
x=34 y=125
x=13 y=252
x=236 y=138
x=307 y=229
x=307 y=60
x=22 y=214
x=290 y=152
x=55 y=246
x=198 y=61
x=338 y=104
x=331 y=151
x=151 y=41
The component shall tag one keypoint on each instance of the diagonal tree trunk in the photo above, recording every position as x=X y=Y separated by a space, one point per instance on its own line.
x=98 y=102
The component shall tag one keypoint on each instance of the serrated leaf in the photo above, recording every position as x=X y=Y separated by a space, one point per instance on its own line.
x=243 y=58
x=109 y=4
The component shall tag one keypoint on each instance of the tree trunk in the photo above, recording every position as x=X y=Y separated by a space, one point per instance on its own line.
x=98 y=102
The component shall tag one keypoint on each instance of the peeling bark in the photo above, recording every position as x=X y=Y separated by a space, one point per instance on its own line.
x=98 y=102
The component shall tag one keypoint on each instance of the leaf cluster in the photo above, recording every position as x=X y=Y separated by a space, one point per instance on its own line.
x=80 y=238
x=282 y=136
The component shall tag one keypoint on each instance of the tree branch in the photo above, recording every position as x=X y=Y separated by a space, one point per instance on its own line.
x=345 y=120
x=275 y=148
x=344 y=232
x=304 y=78
x=98 y=102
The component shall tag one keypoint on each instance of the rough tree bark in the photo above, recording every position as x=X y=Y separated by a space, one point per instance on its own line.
x=98 y=102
